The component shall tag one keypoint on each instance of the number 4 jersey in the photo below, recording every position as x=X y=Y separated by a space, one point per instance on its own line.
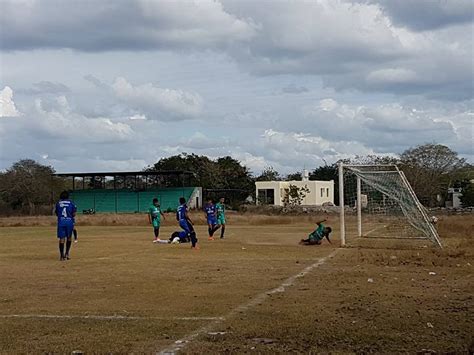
x=65 y=210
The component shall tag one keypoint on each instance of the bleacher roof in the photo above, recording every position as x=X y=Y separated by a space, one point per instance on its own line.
x=128 y=173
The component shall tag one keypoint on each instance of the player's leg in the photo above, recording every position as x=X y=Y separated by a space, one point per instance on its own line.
x=222 y=231
x=192 y=235
x=74 y=231
x=69 y=230
x=210 y=229
x=62 y=234
x=156 y=233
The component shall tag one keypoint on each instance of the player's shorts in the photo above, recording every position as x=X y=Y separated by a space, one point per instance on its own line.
x=220 y=220
x=65 y=230
x=156 y=223
x=212 y=220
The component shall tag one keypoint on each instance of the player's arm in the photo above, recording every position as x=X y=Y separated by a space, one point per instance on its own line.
x=324 y=220
x=162 y=214
x=149 y=217
x=327 y=237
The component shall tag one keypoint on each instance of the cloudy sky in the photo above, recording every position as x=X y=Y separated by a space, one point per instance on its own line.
x=115 y=85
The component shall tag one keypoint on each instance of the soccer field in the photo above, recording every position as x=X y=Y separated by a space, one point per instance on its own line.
x=256 y=290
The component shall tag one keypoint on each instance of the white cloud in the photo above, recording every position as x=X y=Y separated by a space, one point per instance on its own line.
x=159 y=103
x=61 y=122
x=7 y=105
x=137 y=117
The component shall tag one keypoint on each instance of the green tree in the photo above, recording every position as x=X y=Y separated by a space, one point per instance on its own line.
x=224 y=173
x=295 y=195
x=28 y=184
x=269 y=174
x=294 y=177
x=467 y=198
x=234 y=175
x=431 y=169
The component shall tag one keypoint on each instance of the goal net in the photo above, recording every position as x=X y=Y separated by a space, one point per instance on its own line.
x=380 y=203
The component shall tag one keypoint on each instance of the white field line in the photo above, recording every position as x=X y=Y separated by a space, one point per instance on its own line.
x=102 y=317
x=260 y=298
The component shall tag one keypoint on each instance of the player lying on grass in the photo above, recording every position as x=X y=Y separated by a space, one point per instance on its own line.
x=185 y=222
x=66 y=211
x=317 y=236
x=154 y=218
x=179 y=237
x=211 y=217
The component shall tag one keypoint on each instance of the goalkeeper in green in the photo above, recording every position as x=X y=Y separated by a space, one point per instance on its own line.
x=317 y=236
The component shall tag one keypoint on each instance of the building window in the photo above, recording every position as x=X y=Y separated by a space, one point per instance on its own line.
x=266 y=196
x=327 y=192
x=322 y=191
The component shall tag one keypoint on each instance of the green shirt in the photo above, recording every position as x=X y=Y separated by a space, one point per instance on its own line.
x=318 y=233
x=220 y=210
x=155 y=213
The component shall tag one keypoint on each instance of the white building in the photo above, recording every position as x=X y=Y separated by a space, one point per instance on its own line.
x=274 y=192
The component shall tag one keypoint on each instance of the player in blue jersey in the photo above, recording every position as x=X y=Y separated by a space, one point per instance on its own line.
x=66 y=211
x=185 y=222
x=210 y=212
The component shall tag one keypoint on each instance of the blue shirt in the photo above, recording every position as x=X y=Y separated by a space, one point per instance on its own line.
x=181 y=212
x=210 y=210
x=65 y=210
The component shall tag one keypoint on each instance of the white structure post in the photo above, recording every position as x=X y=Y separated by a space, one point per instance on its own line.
x=359 y=208
x=341 y=204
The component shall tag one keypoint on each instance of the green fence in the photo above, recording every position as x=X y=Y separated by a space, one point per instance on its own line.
x=127 y=201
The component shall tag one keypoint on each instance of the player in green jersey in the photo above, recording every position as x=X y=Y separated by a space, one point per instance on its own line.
x=317 y=236
x=154 y=217
x=220 y=207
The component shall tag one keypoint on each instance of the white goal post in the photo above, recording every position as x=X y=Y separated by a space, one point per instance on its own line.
x=378 y=201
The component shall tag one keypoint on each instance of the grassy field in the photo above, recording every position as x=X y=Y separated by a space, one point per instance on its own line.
x=255 y=291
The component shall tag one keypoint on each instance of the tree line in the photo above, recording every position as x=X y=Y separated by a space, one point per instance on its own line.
x=28 y=187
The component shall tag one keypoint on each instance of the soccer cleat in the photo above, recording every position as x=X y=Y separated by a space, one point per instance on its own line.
x=75 y=241
x=195 y=248
x=67 y=257
x=210 y=238
x=62 y=258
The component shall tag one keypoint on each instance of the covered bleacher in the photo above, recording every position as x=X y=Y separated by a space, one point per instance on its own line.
x=131 y=192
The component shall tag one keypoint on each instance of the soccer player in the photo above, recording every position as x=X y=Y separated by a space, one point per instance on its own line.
x=220 y=207
x=179 y=237
x=154 y=218
x=317 y=236
x=66 y=211
x=211 y=216
x=185 y=222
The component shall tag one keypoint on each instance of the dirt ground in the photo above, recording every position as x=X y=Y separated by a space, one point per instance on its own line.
x=120 y=293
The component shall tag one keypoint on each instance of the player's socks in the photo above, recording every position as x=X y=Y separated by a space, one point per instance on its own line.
x=61 y=250
x=74 y=231
x=68 y=247
x=222 y=231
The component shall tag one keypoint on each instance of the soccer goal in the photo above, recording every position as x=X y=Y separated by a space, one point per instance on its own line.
x=377 y=201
